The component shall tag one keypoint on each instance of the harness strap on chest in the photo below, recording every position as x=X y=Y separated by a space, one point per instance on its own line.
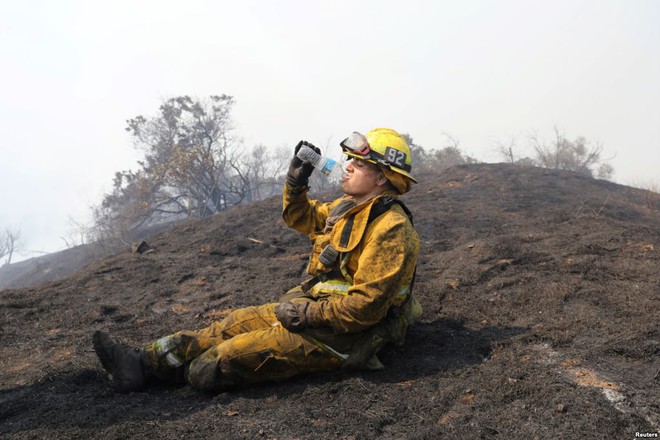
x=308 y=284
x=380 y=207
x=384 y=204
x=346 y=232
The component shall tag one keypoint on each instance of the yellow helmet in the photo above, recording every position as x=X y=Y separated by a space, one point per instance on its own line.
x=381 y=146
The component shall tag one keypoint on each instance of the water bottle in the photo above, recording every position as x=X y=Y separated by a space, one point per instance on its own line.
x=325 y=164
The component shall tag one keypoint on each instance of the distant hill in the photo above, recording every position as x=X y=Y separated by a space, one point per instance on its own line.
x=57 y=265
x=540 y=290
x=50 y=267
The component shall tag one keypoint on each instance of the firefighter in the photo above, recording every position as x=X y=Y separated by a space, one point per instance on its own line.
x=357 y=297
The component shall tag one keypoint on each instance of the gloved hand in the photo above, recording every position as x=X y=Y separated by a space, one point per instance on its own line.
x=292 y=315
x=300 y=171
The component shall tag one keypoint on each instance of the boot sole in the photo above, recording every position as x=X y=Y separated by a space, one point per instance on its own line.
x=123 y=378
x=101 y=352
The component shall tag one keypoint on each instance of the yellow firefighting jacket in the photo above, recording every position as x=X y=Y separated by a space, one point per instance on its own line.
x=376 y=260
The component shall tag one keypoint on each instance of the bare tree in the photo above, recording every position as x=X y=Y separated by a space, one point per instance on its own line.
x=605 y=171
x=427 y=161
x=580 y=155
x=192 y=167
x=263 y=171
x=510 y=152
x=450 y=154
x=190 y=155
x=9 y=241
x=507 y=150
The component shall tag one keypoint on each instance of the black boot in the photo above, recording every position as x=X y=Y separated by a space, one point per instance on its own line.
x=126 y=365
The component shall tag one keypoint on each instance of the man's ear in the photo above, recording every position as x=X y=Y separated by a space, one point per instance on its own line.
x=382 y=180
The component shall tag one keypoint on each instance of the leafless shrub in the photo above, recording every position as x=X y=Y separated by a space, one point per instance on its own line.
x=430 y=160
x=9 y=242
x=581 y=155
x=194 y=165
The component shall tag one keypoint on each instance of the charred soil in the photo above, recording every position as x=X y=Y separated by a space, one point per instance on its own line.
x=541 y=296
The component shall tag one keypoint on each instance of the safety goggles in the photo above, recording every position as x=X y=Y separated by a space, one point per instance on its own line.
x=356 y=143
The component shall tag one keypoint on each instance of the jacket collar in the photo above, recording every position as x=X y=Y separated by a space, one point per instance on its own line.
x=348 y=230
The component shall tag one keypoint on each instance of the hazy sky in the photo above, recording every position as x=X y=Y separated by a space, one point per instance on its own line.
x=73 y=72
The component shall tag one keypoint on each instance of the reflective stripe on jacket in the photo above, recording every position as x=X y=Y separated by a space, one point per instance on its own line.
x=341 y=287
x=379 y=260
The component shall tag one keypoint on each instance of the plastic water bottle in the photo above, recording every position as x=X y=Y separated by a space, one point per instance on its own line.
x=325 y=164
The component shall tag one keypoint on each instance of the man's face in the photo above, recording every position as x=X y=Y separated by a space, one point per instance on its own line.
x=361 y=179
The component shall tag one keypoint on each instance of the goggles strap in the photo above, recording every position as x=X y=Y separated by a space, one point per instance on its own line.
x=357 y=144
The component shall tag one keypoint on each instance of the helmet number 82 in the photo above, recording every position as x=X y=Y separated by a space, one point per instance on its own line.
x=395 y=157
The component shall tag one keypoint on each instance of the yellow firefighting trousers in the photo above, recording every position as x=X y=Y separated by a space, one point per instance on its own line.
x=248 y=346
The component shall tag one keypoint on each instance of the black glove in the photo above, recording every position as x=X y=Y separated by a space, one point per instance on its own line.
x=299 y=171
x=292 y=315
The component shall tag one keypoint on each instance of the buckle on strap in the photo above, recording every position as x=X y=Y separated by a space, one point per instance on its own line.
x=308 y=284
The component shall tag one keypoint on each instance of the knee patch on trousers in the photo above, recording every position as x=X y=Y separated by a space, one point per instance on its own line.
x=203 y=372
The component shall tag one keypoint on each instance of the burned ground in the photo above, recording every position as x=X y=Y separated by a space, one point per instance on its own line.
x=541 y=296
